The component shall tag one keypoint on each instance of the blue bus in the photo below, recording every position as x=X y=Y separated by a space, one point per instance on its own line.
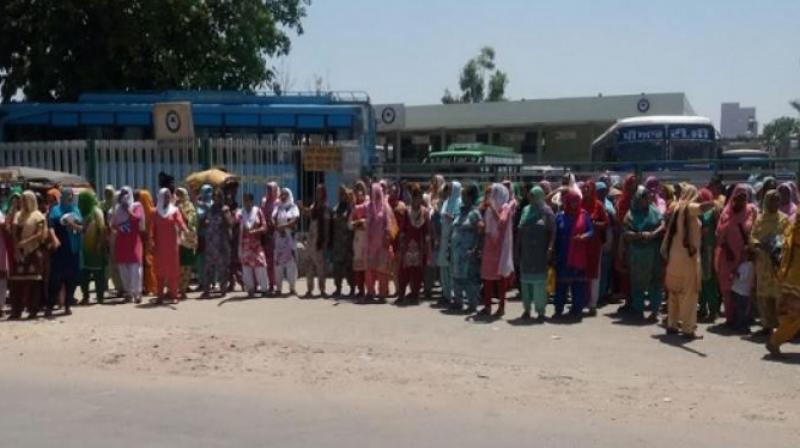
x=649 y=142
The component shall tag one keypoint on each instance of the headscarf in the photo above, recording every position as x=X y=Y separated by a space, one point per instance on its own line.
x=380 y=220
x=643 y=215
x=343 y=207
x=206 y=195
x=534 y=211
x=590 y=202
x=66 y=204
x=453 y=203
x=29 y=218
x=653 y=186
x=788 y=207
x=688 y=196
x=186 y=207
x=473 y=191
x=795 y=197
x=124 y=208
x=546 y=187
x=146 y=200
x=437 y=185
x=87 y=202
x=743 y=220
x=624 y=204
x=287 y=210
x=109 y=196
x=498 y=197
x=705 y=195
x=54 y=195
x=578 y=254
x=165 y=207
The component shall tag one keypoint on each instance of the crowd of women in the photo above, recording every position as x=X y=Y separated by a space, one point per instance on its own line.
x=706 y=252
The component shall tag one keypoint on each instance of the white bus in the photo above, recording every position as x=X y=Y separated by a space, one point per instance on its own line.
x=650 y=141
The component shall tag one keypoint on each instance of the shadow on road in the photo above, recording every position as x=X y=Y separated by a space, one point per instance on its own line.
x=679 y=342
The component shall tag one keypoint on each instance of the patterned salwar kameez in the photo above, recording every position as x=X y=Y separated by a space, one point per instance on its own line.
x=216 y=226
x=768 y=233
x=188 y=242
x=28 y=231
x=414 y=251
x=252 y=225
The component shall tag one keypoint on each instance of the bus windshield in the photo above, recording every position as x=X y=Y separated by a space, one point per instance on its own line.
x=686 y=150
x=639 y=152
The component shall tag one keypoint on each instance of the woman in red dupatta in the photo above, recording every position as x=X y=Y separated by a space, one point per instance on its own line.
x=733 y=230
x=597 y=212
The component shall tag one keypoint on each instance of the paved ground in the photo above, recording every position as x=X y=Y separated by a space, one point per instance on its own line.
x=289 y=372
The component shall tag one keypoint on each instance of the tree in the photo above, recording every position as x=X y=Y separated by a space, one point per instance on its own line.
x=472 y=80
x=778 y=135
x=56 y=49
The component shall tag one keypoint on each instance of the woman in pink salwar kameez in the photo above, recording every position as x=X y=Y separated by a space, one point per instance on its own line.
x=381 y=230
x=168 y=223
x=497 y=264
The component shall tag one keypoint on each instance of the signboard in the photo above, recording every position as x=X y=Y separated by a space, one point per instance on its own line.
x=390 y=117
x=322 y=158
x=641 y=134
x=691 y=133
x=173 y=121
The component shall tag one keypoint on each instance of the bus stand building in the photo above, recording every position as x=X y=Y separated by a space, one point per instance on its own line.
x=544 y=131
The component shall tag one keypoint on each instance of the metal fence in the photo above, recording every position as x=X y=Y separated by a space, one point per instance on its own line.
x=699 y=171
x=138 y=162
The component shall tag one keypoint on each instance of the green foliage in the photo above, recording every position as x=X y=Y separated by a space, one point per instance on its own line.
x=472 y=80
x=778 y=133
x=56 y=49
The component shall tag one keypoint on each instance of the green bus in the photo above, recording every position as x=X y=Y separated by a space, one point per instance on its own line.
x=475 y=158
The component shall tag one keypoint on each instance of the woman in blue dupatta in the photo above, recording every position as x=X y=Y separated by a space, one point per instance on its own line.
x=449 y=212
x=643 y=230
x=66 y=222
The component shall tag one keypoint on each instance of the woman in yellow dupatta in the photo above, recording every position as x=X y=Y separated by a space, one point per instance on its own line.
x=789 y=303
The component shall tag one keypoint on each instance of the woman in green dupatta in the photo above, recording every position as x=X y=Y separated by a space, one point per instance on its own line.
x=642 y=232
x=94 y=249
x=537 y=231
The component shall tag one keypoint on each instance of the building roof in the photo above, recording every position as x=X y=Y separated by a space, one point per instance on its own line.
x=577 y=110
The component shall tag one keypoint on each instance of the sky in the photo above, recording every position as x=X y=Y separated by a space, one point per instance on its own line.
x=409 y=51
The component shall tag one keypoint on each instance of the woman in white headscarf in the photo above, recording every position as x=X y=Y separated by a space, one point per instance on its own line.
x=284 y=218
x=497 y=263
x=128 y=232
x=166 y=234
